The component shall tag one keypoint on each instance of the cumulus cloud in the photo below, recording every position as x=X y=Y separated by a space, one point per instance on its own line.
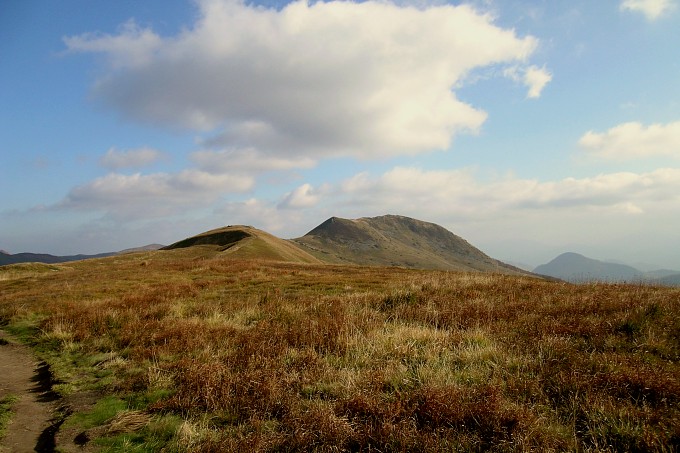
x=116 y=159
x=304 y=196
x=533 y=77
x=129 y=196
x=462 y=195
x=536 y=79
x=652 y=9
x=330 y=78
x=633 y=140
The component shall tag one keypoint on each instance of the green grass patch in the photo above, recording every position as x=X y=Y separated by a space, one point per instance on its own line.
x=105 y=409
x=6 y=412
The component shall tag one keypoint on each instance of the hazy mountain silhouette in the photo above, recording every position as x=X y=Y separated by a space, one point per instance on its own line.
x=8 y=258
x=574 y=267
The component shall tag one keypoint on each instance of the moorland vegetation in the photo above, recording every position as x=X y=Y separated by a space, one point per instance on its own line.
x=188 y=350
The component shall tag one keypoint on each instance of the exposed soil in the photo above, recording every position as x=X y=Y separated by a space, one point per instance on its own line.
x=36 y=420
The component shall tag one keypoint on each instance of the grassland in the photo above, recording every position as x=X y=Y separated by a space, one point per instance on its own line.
x=180 y=351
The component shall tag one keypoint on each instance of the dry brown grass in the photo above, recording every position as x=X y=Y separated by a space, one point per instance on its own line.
x=264 y=356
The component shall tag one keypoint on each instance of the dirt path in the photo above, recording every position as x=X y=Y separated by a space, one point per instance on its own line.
x=32 y=427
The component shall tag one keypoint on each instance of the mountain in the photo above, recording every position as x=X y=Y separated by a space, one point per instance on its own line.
x=246 y=242
x=574 y=267
x=393 y=240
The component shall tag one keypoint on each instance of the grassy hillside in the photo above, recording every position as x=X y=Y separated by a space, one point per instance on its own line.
x=186 y=351
x=393 y=240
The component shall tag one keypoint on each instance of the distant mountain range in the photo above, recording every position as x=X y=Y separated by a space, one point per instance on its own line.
x=8 y=258
x=577 y=268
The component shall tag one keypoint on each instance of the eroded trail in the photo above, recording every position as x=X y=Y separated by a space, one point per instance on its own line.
x=22 y=376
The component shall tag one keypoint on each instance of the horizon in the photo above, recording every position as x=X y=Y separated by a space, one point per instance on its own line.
x=527 y=129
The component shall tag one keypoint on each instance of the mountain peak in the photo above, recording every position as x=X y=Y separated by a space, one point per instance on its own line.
x=571 y=255
x=395 y=240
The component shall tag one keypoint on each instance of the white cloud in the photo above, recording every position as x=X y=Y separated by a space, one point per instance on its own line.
x=116 y=159
x=536 y=79
x=634 y=140
x=132 y=47
x=327 y=78
x=159 y=194
x=248 y=160
x=652 y=9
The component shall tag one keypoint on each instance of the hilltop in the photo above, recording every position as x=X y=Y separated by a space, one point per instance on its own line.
x=245 y=242
x=393 y=240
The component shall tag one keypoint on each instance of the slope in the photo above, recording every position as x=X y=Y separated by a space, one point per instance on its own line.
x=393 y=240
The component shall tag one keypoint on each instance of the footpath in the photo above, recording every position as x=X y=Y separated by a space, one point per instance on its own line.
x=32 y=426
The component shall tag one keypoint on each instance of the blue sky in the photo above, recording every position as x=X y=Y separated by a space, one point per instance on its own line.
x=529 y=128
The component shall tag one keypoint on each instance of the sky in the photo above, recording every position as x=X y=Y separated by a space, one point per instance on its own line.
x=529 y=128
